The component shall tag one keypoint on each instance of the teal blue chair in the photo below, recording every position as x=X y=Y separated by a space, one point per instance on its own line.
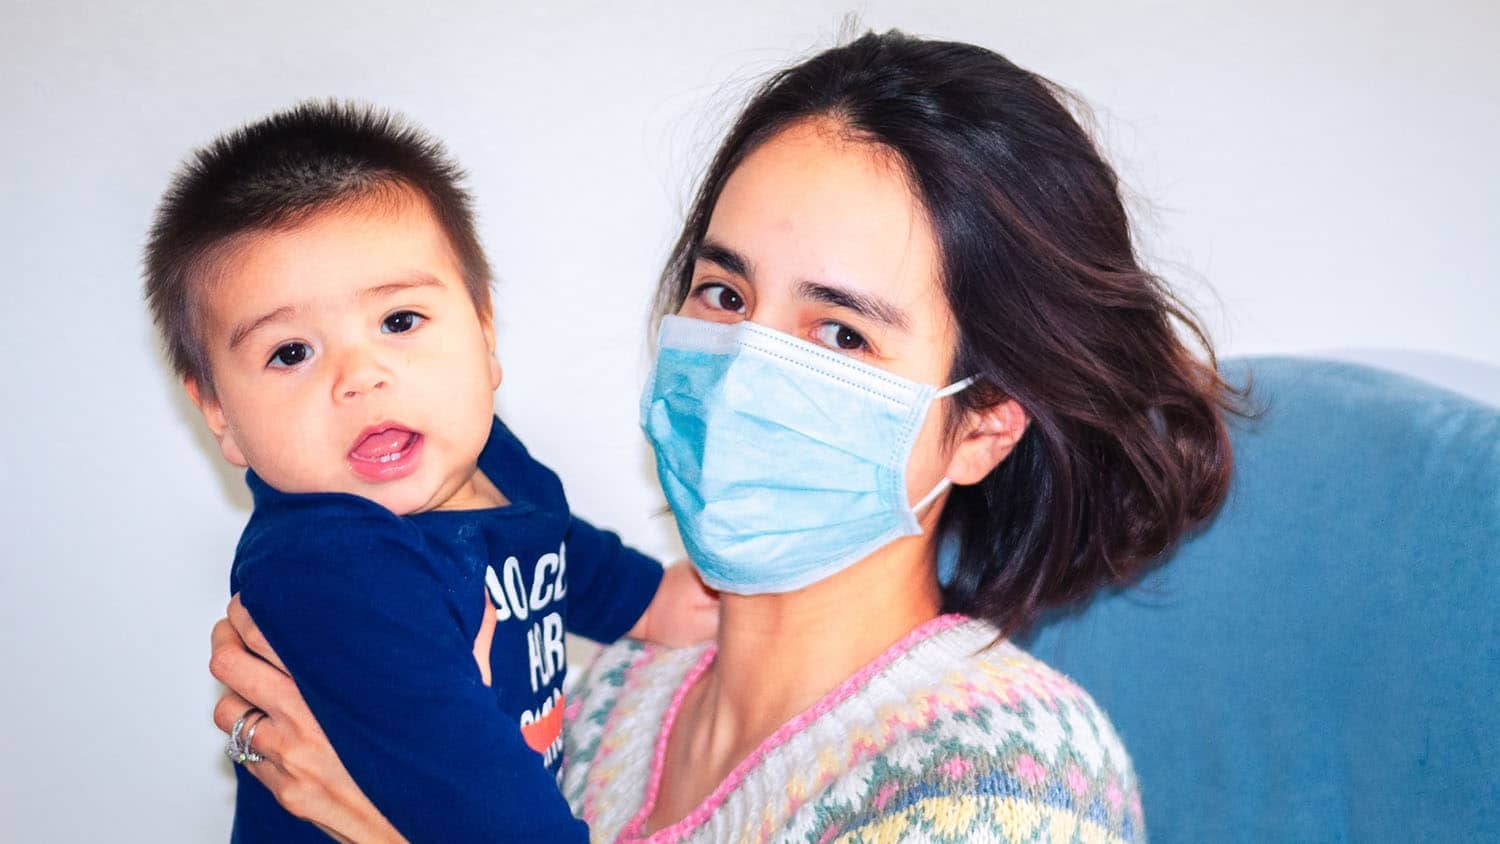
x=1321 y=662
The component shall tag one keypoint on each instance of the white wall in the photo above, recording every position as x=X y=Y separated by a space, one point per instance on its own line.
x=1322 y=177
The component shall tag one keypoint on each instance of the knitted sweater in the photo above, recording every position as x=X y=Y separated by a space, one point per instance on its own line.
x=949 y=736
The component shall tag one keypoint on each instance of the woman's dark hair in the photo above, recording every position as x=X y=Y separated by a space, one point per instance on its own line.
x=1127 y=447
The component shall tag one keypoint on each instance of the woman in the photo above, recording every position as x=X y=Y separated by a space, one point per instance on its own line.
x=886 y=219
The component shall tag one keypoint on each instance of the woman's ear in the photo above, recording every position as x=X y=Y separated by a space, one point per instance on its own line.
x=218 y=425
x=992 y=433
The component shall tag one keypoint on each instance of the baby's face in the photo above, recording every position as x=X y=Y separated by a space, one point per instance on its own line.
x=348 y=357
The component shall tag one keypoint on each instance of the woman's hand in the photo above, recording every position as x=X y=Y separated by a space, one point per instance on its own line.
x=299 y=765
x=683 y=612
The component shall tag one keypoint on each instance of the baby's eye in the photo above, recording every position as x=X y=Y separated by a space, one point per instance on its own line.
x=839 y=336
x=721 y=297
x=289 y=355
x=401 y=322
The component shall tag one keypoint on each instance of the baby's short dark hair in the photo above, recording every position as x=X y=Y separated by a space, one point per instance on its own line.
x=274 y=174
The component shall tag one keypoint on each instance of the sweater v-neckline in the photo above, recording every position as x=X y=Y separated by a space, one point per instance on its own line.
x=699 y=815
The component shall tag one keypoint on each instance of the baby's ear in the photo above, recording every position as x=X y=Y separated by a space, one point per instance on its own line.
x=487 y=325
x=218 y=425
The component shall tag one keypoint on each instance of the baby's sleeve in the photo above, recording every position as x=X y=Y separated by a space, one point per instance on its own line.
x=368 y=624
x=610 y=584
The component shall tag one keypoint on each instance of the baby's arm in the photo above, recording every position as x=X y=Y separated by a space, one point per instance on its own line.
x=618 y=591
x=364 y=621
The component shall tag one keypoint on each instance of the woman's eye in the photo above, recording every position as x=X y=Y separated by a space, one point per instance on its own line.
x=401 y=322
x=840 y=336
x=290 y=354
x=721 y=297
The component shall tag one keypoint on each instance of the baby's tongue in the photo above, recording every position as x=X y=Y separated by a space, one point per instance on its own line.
x=381 y=443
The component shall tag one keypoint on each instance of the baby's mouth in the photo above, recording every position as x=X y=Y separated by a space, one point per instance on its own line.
x=384 y=446
x=384 y=452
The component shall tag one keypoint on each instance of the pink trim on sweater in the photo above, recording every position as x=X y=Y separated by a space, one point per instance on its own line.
x=630 y=680
x=696 y=818
x=658 y=756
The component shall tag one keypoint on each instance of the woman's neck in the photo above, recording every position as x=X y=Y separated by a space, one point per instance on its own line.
x=779 y=654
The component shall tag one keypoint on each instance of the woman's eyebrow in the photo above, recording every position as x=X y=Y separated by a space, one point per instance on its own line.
x=870 y=307
x=867 y=306
x=727 y=259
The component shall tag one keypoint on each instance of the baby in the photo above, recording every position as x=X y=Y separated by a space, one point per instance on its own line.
x=325 y=299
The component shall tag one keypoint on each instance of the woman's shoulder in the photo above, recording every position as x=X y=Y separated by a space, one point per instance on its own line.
x=984 y=674
x=970 y=738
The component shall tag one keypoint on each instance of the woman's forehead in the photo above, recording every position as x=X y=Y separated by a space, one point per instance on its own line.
x=811 y=203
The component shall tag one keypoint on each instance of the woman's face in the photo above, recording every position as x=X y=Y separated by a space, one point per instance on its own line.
x=820 y=237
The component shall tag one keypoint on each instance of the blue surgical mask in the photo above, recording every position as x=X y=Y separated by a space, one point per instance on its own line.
x=784 y=462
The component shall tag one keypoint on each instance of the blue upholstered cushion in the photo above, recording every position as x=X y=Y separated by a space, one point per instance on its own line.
x=1321 y=662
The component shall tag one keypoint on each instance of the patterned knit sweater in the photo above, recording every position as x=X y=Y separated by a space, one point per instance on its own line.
x=948 y=736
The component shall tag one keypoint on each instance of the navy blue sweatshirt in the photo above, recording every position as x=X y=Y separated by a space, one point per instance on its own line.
x=375 y=617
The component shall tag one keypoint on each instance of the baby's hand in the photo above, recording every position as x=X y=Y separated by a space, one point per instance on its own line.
x=684 y=611
x=483 y=641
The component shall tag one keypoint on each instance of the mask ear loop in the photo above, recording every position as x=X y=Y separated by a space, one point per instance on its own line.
x=955 y=387
x=942 y=485
x=930 y=497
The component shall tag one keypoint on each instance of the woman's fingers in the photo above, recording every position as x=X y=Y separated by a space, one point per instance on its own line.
x=269 y=739
x=243 y=624
x=253 y=679
x=241 y=670
x=271 y=776
x=298 y=764
x=294 y=769
x=228 y=709
x=223 y=635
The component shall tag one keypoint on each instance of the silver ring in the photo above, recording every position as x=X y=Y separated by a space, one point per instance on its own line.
x=239 y=753
x=250 y=754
